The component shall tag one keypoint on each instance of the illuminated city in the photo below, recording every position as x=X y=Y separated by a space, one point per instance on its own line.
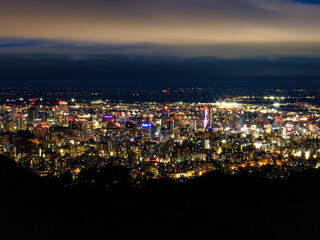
x=175 y=140
x=159 y=119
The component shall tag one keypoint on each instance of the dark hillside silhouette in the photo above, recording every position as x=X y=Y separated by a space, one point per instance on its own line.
x=215 y=206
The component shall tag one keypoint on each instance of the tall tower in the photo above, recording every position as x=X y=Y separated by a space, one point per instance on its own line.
x=205 y=120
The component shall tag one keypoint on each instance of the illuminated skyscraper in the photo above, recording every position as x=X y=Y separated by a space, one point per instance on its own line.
x=193 y=125
x=21 y=122
x=205 y=120
x=32 y=114
x=206 y=144
x=41 y=131
x=239 y=123
x=10 y=125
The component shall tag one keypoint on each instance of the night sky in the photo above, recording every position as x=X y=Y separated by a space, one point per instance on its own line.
x=167 y=43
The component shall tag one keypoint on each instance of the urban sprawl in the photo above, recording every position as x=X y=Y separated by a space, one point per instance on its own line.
x=176 y=140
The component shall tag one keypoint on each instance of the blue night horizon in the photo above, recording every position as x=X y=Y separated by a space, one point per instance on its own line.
x=307 y=1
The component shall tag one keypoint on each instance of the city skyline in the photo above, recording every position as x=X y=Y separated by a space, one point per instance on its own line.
x=159 y=119
x=163 y=135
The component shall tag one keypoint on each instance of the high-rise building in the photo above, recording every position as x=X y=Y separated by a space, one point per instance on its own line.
x=32 y=114
x=206 y=144
x=239 y=123
x=41 y=131
x=21 y=122
x=193 y=125
x=63 y=113
x=10 y=125
x=205 y=119
x=86 y=129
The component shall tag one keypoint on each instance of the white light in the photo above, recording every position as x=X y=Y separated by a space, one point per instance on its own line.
x=257 y=145
x=227 y=105
x=307 y=155
x=276 y=104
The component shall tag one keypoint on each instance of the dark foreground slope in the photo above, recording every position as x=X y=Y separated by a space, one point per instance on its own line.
x=215 y=206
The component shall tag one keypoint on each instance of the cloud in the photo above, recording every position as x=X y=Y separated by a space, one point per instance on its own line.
x=76 y=50
x=170 y=42
x=168 y=22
